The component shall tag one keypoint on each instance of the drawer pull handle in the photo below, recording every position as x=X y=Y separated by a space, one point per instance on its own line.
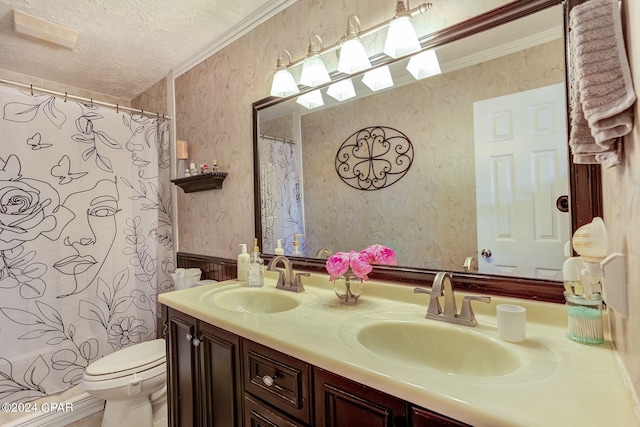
x=268 y=380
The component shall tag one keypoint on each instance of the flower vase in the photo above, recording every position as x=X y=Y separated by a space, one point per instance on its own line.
x=348 y=287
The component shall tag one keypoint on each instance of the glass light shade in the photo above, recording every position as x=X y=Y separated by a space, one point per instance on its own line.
x=314 y=72
x=378 y=79
x=424 y=64
x=283 y=84
x=353 y=57
x=311 y=100
x=401 y=38
x=342 y=90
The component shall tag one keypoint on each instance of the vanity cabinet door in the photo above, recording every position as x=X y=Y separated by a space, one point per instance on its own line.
x=203 y=374
x=181 y=370
x=343 y=403
x=220 y=393
x=423 y=418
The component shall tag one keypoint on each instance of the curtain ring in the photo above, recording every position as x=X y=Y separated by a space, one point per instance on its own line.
x=65 y=97
x=91 y=102
x=117 y=108
x=141 y=113
x=31 y=89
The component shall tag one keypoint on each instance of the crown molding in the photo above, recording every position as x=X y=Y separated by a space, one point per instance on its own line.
x=249 y=23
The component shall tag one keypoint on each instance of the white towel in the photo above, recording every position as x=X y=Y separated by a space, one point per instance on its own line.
x=600 y=87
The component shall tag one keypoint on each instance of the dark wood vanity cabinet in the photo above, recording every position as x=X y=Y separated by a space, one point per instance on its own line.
x=203 y=373
x=343 y=403
x=218 y=379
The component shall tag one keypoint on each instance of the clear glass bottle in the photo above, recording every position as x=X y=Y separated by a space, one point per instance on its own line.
x=296 y=246
x=255 y=277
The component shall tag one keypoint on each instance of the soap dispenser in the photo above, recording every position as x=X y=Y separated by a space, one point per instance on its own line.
x=278 y=250
x=255 y=277
x=296 y=245
x=243 y=263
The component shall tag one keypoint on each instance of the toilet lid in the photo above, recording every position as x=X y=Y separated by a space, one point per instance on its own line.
x=135 y=358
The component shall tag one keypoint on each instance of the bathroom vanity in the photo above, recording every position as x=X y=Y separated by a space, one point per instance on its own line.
x=265 y=357
x=221 y=378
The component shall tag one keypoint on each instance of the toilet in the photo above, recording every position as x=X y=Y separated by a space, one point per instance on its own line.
x=133 y=381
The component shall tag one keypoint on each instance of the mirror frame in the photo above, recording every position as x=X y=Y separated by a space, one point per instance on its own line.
x=584 y=180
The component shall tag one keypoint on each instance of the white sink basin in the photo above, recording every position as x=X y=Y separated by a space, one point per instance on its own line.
x=251 y=300
x=440 y=346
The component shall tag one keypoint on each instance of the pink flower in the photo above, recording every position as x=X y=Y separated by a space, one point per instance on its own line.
x=337 y=264
x=359 y=265
x=359 y=262
x=378 y=254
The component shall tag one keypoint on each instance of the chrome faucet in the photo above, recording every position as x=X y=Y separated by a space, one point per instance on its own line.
x=287 y=281
x=443 y=287
x=323 y=253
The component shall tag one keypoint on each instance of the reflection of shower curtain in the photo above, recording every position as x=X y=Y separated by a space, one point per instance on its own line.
x=281 y=195
x=85 y=238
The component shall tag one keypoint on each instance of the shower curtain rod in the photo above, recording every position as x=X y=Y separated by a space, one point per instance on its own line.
x=275 y=138
x=91 y=101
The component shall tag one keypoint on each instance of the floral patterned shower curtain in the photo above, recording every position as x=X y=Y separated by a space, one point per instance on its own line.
x=281 y=194
x=85 y=237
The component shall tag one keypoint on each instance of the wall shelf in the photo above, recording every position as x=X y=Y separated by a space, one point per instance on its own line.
x=202 y=182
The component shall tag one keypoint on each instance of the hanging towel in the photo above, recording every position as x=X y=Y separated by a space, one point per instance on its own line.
x=600 y=87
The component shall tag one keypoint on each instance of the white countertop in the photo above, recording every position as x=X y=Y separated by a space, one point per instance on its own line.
x=559 y=382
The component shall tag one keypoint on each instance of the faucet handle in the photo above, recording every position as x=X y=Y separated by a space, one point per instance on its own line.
x=434 y=302
x=297 y=281
x=466 y=312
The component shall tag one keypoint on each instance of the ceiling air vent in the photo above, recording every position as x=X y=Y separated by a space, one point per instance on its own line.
x=43 y=30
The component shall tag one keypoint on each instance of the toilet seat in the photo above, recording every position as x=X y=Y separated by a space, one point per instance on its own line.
x=128 y=361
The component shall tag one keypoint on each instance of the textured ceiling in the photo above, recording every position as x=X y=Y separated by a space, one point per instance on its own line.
x=124 y=46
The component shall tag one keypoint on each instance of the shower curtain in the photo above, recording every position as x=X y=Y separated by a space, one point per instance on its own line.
x=281 y=195
x=85 y=237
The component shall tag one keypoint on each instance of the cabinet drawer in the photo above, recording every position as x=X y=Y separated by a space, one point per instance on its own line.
x=258 y=415
x=278 y=379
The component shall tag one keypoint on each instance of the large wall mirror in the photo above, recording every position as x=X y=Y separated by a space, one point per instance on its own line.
x=473 y=201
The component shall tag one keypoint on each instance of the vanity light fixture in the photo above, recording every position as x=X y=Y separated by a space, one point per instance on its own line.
x=353 y=56
x=378 y=78
x=283 y=84
x=311 y=99
x=401 y=36
x=342 y=90
x=423 y=65
x=314 y=72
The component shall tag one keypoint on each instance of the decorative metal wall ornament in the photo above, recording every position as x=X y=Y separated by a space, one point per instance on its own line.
x=374 y=158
